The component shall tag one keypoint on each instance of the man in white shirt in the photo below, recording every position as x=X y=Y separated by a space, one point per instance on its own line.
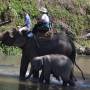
x=43 y=22
x=45 y=18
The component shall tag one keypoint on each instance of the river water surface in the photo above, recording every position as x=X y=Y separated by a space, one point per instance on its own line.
x=9 y=72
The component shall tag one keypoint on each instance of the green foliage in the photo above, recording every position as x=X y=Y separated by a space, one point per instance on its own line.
x=2 y=6
x=9 y=50
x=79 y=2
x=77 y=22
x=58 y=12
x=85 y=43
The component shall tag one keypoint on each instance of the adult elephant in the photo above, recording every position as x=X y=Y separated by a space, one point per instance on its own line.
x=57 y=44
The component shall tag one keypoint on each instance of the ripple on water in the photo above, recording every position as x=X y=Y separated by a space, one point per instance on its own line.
x=83 y=83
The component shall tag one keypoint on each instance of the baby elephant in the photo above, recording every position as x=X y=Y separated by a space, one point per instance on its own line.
x=58 y=65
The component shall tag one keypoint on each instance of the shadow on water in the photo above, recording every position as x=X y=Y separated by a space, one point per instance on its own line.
x=9 y=72
x=81 y=86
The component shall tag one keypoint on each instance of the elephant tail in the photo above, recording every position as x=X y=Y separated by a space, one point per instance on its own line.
x=80 y=71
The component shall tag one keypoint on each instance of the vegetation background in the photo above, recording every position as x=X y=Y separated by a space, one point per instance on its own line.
x=74 y=13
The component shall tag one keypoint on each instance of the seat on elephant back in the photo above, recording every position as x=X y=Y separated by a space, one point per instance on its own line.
x=48 y=41
x=46 y=35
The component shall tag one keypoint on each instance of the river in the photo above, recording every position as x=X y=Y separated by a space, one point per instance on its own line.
x=9 y=72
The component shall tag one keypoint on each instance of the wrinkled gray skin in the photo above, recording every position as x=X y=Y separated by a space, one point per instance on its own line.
x=59 y=43
x=58 y=65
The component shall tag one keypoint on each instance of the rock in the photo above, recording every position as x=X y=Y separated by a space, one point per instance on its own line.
x=87 y=51
x=80 y=51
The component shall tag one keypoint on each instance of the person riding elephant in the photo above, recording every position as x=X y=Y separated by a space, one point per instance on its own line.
x=27 y=26
x=56 y=64
x=43 y=22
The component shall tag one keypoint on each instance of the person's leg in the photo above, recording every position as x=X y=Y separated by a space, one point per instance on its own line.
x=23 y=28
x=29 y=34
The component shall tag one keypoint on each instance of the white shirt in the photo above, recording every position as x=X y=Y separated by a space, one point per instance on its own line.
x=45 y=18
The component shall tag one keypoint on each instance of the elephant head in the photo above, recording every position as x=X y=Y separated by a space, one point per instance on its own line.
x=12 y=38
x=37 y=63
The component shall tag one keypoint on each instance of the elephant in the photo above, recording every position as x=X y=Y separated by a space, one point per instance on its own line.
x=56 y=64
x=58 y=43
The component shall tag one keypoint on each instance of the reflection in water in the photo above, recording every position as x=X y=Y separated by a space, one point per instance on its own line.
x=14 y=84
x=24 y=87
x=33 y=87
x=50 y=87
x=11 y=66
x=8 y=86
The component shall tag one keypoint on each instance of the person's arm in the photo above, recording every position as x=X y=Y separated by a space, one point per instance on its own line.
x=27 y=21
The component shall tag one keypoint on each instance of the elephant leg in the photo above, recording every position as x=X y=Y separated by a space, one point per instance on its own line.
x=36 y=74
x=45 y=75
x=68 y=79
x=65 y=83
x=65 y=80
x=47 y=78
x=71 y=79
x=23 y=68
x=41 y=77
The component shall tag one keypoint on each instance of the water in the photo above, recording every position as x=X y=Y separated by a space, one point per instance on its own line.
x=9 y=72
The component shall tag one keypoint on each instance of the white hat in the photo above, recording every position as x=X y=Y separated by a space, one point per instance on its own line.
x=42 y=9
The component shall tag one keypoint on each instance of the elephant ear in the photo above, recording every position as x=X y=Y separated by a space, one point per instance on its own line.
x=19 y=39
x=13 y=32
